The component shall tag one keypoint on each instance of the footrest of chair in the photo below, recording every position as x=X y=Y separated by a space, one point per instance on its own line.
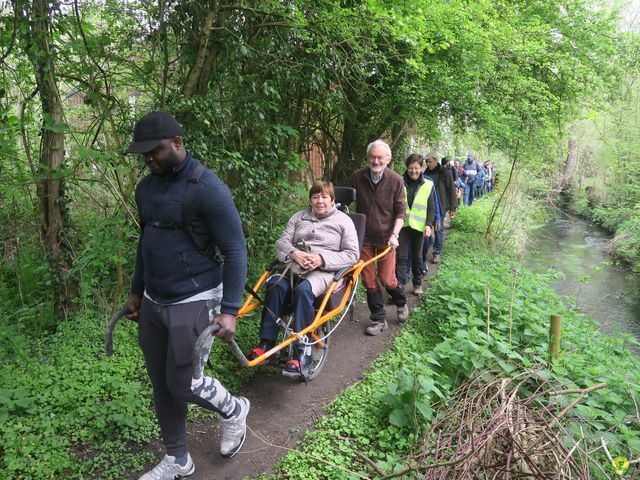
x=257 y=352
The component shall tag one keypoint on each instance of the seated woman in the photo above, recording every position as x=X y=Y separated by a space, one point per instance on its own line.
x=332 y=243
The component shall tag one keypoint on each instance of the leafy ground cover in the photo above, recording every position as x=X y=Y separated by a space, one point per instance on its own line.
x=485 y=311
x=68 y=411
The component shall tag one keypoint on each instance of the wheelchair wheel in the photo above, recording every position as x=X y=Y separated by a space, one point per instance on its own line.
x=320 y=351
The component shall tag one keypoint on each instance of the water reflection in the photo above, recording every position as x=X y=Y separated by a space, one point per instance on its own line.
x=596 y=286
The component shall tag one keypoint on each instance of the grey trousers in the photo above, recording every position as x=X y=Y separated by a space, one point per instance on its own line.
x=167 y=335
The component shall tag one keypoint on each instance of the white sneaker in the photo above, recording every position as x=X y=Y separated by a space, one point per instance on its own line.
x=168 y=469
x=418 y=290
x=234 y=430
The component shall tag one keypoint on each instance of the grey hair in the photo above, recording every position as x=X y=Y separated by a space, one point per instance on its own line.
x=431 y=154
x=379 y=143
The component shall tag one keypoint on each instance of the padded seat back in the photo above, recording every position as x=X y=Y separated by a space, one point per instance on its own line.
x=345 y=196
x=360 y=222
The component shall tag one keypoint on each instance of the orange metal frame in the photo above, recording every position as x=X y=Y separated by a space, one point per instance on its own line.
x=321 y=317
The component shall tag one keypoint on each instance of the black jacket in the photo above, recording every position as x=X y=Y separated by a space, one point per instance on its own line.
x=168 y=264
x=445 y=184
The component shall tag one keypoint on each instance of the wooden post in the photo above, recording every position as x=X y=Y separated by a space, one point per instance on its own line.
x=554 y=339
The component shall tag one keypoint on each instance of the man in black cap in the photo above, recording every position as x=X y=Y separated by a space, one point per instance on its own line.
x=177 y=290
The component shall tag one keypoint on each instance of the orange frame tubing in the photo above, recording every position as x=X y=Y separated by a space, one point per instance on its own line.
x=251 y=303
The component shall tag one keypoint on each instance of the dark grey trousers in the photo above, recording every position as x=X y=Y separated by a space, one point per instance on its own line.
x=167 y=335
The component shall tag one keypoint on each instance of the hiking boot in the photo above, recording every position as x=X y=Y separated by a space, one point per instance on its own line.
x=424 y=268
x=403 y=312
x=376 y=327
x=168 y=469
x=418 y=290
x=435 y=258
x=234 y=430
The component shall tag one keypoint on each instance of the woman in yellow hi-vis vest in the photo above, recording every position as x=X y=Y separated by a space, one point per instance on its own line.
x=421 y=212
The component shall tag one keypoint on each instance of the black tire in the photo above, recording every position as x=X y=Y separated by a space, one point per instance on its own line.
x=320 y=353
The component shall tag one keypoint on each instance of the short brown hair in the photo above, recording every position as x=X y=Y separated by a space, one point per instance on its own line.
x=322 y=187
x=414 y=158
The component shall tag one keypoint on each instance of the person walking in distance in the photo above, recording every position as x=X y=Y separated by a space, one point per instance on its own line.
x=445 y=189
x=471 y=169
x=380 y=196
x=180 y=287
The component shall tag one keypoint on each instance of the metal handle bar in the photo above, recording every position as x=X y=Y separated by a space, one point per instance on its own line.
x=201 y=348
x=108 y=334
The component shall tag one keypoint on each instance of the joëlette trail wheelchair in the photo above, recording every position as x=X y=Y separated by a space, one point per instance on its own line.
x=331 y=310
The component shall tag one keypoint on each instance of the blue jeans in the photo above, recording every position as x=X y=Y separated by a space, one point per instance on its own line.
x=468 y=194
x=279 y=300
x=437 y=241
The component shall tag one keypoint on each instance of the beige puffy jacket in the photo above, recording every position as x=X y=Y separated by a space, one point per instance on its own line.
x=333 y=237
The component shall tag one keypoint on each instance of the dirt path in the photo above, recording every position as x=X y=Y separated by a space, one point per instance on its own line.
x=283 y=410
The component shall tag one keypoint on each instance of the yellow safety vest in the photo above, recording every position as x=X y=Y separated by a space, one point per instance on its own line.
x=417 y=215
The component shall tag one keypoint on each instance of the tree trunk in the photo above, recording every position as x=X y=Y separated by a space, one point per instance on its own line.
x=569 y=164
x=198 y=79
x=49 y=183
x=348 y=156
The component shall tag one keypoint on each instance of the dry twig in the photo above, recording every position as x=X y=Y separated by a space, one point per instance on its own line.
x=502 y=429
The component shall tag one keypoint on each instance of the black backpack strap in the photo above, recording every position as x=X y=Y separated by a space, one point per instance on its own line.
x=188 y=210
x=142 y=185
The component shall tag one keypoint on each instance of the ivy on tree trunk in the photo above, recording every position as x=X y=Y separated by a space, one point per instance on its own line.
x=49 y=171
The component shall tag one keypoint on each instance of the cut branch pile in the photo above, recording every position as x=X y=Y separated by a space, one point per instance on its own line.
x=503 y=429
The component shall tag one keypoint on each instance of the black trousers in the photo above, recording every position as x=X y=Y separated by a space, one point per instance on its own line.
x=410 y=243
x=167 y=335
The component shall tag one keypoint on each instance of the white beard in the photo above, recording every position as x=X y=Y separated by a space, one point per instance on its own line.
x=375 y=175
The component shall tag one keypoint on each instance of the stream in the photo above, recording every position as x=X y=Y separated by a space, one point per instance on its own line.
x=591 y=281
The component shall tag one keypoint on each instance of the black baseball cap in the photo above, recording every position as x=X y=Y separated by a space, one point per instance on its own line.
x=151 y=130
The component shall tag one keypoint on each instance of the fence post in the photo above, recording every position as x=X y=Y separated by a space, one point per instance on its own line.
x=554 y=340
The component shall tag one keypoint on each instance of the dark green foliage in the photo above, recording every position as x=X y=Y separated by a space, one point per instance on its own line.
x=68 y=411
